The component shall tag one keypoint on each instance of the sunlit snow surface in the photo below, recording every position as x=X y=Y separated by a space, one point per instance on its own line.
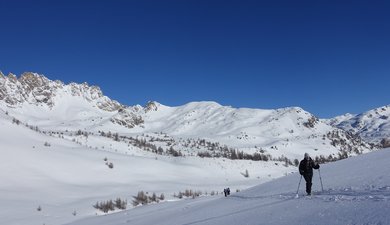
x=356 y=191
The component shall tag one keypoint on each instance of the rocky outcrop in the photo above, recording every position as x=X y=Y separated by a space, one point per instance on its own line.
x=127 y=118
x=36 y=89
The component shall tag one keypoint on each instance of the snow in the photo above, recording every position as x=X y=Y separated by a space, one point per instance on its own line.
x=280 y=132
x=47 y=165
x=372 y=126
x=356 y=191
x=244 y=129
x=67 y=177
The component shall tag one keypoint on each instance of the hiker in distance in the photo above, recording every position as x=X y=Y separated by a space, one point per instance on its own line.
x=306 y=167
x=226 y=191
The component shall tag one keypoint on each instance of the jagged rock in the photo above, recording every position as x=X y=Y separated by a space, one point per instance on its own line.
x=12 y=77
x=372 y=126
x=37 y=89
x=385 y=142
x=33 y=88
x=151 y=106
x=348 y=143
x=127 y=118
x=311 y=122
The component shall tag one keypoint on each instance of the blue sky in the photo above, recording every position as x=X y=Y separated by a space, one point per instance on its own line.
x=328 y=57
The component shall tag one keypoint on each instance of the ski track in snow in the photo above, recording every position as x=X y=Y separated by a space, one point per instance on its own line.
x=346 y=194
x=330 y=195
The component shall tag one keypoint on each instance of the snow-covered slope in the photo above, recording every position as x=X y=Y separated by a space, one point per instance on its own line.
x=36 y=100
x=281 y=133
x=338 y=119
x=60 y=140
x=356 y=191
x=64 y=178
x=373 y=125
x=38 y=90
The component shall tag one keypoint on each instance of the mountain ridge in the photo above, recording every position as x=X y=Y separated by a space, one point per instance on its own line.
x=68 y=153
x=35 y=99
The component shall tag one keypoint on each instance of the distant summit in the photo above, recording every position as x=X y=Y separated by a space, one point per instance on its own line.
x=373 y=125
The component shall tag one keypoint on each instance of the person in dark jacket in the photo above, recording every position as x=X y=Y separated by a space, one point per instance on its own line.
x=226 y=191
x=306 y=170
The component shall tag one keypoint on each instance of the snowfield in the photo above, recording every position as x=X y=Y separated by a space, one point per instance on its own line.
x=64 y=178
x=356 y=191
x=65 y=147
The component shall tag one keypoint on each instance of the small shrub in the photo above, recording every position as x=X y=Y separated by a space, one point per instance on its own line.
x=188 y=193
x=105 y=206
x=162 y=197
x=153 y=198
x=141 y=198
x=120 y=204
x=14 y=120
x=246 y=174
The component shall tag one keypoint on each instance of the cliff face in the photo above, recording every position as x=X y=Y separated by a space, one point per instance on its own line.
x=36 y=89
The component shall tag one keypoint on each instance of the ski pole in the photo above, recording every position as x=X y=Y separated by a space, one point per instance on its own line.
x=319 y=172
x=299 y=184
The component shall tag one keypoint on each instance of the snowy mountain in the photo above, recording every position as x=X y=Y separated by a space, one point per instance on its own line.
x=372 y=126
x=54 y=177
x=67 y=146
x=357 y=195
x=32 y=88
x=281 y=133
x=33 y=97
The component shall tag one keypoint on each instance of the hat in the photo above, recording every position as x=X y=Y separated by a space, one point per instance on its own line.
x=307 y=155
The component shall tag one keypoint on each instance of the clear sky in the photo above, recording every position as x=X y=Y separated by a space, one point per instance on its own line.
x=328 y=57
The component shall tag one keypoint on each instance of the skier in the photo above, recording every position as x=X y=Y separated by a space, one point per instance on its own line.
x=306 y=167
x=226 y=191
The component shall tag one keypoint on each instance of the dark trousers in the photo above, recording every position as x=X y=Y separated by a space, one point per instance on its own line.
x=308 y=177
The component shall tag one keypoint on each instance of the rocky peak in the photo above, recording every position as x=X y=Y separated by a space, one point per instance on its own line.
x=151 y=106
x=37 y=89
x=89 y=92
x=33 y=79
x=12 y=77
